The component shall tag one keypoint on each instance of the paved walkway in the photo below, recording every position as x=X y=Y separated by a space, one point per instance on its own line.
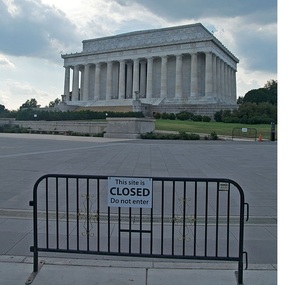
x=24 y=158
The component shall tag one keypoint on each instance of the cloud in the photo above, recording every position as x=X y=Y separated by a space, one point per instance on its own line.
x=30 y=28
x=5 y=62
x=19 y=92
x=248 y=28
x=34 y=32
x=264 y=10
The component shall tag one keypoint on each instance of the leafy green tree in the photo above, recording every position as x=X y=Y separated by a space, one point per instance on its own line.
x=2 y=108
x=54 y=103
x=29 y=104
x=266 y=94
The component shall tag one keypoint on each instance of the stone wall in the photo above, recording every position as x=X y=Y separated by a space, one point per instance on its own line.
x=128 y=127
x=201 y=109
x=59 y=126
x=114 y=127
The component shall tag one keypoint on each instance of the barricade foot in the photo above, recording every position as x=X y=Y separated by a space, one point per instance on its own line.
x=34 y=274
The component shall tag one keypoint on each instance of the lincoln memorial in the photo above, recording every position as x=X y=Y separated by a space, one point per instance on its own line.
x=166 y=70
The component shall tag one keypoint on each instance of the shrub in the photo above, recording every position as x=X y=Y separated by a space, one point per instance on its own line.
x=172 y=116
x=165 y=116
x=213 y=135
x=180 y=136
x=184 y=115
x=156 y=115
x=218 y=116
x=196 y=118
x=206 y=119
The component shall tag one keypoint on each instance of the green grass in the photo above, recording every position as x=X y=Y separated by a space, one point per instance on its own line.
x=208 y=127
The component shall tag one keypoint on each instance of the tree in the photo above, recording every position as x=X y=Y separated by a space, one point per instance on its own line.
x=30 y=104
x=2 y=108
x=54 y=103
x=266 y=94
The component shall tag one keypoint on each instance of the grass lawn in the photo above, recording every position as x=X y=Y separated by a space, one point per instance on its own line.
x=208 y=127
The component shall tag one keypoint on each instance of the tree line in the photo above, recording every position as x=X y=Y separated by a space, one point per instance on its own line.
x=258 y=106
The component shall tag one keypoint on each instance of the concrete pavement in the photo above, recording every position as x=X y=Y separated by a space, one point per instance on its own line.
x=24 y=158
x=18 y=270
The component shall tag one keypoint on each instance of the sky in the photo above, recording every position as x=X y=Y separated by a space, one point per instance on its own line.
x=34 y=34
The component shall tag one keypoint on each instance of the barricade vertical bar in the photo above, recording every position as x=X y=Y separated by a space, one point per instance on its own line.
x=162 y=215
x=195 y=216
x=184 y=219
x=67 y=215
x=217 y=219
x=151 y=226
x=108 y=230
x=98 y=214
x=88 y=215
x=241 y=238
x=35 y=225
x=47 y=216
x=130 y=230
x=228 y=222
x=78 y=213
x=206 y=218
x=57 y=216
x=119 y=229
x=141 y=230
x=173 y=218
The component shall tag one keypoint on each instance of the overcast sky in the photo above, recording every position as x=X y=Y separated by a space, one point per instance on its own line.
x=34 y=33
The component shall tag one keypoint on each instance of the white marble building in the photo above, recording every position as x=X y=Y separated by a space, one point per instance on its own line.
x=177 y=65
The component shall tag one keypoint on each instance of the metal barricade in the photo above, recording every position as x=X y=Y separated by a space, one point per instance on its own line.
x=244 y=133
x=178 y=218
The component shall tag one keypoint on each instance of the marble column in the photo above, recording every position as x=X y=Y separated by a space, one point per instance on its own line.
x=97 y=81
x=75 y=84
x=208 y=75
x=122 y=80
x=218 y=79
x=222 y=76
x=129 y=80
x=234 y=86
x=225 y=82
x=149 y=90
x=194 y=76
x=143 y=79
x=163 y=87
x=86 y=83
x=229 y=84
x=109 y=80
x=66 y=83
x=178 y=88
x=214 y=76
x=135 y=77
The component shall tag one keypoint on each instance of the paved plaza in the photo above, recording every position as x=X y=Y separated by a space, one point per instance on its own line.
x=24 y=158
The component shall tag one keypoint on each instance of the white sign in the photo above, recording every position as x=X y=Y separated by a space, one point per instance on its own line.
x=244 y=130
x=129 y=192
x=223 y=186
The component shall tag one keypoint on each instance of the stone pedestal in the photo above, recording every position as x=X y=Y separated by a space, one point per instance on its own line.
x=130 y=128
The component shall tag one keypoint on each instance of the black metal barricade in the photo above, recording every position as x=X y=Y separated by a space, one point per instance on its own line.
x=185 y=218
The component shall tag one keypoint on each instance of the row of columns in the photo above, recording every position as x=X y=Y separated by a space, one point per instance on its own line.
x=220 y=79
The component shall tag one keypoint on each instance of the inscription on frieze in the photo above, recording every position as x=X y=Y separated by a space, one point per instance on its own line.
x=148 y=38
